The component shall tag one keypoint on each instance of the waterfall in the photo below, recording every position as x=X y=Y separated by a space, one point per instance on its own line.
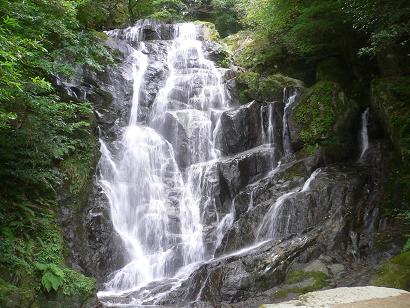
x=364 y=136
x=267 y=134
x=155 y=202
x=270 y=228
x=289 y=101
x=171 y=194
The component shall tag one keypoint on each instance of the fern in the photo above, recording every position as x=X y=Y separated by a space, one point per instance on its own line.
x=53 y=276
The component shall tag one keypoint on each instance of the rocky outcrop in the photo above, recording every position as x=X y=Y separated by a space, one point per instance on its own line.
x=240 y=128
x=325 y=117
x=93 y=246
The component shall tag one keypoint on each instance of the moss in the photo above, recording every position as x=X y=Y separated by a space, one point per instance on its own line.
x=12 y=296
x=298 y=276
x=247 y=84
x=282 y=293
x=100 y=35
x=296 y=170
x=395 y=273
x=317 y=113
x=79 y=166
x=210 y=31
x=253 y=86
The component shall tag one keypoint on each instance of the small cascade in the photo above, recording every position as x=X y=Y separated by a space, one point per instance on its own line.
x=267 y=133
x=364 y=136
x=224 y=224
x=269 y=227
x=288 y=101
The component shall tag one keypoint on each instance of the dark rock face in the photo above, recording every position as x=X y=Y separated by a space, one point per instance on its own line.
x=241 y=129
x=320 y=226
x=94 y=247
x=343 y=114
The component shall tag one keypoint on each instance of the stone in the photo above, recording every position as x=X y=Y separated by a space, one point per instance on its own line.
x=336 y=269
x=317 y=266
x=339 y=296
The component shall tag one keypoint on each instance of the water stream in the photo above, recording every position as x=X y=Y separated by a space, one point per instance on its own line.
x=364 y=136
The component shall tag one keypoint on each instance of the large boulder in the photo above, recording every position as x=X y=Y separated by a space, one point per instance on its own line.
x=246 y=127
x=325 y=117
x=253 y=86
x=239 y=129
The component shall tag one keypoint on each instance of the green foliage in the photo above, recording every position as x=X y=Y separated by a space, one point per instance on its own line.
x=35 y=261
x=384 y=22
x=39 y=40
x=225 y=15
x=103 y=14
x=317 y=114
x=168 y=10
x=52 y=276
x=77 y=284
x=395 y=273
x=392 y=104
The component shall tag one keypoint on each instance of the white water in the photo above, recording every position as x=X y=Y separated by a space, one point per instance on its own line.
x=268 y=228
x=267 y=134
x=364 y=136
x=155 y=206
x=158 y=207
x=289 y=101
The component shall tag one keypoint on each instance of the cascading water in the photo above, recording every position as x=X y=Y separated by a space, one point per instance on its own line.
x=163 y=177
x=155 y=205
x=288 y=101
x=364 y=136
x=267 y=133
x=269 y=228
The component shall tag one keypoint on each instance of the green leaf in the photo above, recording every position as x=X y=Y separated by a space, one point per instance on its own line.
x=51 y=281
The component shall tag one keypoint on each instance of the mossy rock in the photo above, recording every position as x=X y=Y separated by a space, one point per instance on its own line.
x=296 y=170
x=210 y=31
x=332 y=69
x=12 y=296
x=325 y=119
x=391 y=105
x=391 y=102
x=395 y=273
x=301 y=282
x=253 y=86
x=29 y=262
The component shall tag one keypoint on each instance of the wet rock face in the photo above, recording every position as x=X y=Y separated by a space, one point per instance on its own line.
x=94 y=247
x=239 y=129
x=148 y=30
x=104 y=246
x=324 y=210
